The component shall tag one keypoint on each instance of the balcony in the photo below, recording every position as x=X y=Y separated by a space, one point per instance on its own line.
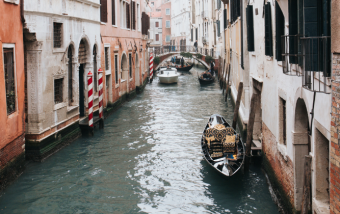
x=310 y=58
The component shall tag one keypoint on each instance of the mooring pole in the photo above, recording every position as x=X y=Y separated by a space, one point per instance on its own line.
x=250 y=126
x=223 y=77
x=238 y=101
x=227 y=84
x=306 y=185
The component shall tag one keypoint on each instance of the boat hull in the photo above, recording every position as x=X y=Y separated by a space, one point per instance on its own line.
x=187 y=68
x=168 y=79
x=223 y=165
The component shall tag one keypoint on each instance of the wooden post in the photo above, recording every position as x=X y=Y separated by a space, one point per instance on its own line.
x=306 y=186
x=238 y=101
x=250 y=126
x=227 y=84
x=224 y=70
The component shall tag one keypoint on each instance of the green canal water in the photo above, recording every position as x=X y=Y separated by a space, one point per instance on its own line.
x=146 y=160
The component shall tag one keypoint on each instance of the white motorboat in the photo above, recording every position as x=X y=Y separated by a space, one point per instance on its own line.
x=168 y=75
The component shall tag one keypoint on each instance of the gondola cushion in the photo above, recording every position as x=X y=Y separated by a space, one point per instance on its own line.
x=223 y=135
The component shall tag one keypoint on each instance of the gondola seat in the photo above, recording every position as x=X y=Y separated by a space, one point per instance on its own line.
x=220 y=139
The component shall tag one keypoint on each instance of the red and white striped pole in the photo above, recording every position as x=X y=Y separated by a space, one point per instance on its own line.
x=100 y=84
x=151 y=66
x=90 y=96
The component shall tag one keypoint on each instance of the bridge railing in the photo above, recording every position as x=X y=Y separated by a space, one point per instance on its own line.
x=183 y=48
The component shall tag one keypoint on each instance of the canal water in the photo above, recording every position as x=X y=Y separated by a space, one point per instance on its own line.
x=146 y=160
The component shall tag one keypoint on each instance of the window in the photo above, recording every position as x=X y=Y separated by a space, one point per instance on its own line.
x=113 y=5
x=123 y=20
x=250 y=28
x=130 y=65
x=280 y=31
x=282 y=121
x=152 y=3
x=107 y=58
x=268 y=37
x=128 y=26
x=157 y=37
x=95 y=72
x=196 y=33
x=218 y=23
x=225 y=18
x=235 y=10
x=57 y=35
x=116 y=68
x=218 y=4
x=167 y=11
x=156 y=24
x=70 y=76
x=133 y=15
x=145 y=23
x=138 y=18
x=192 y=35
x=167 y=38
x=103 y=11
x=58 y=91
x=293 y=30
x=9 y=80
x=167 y=24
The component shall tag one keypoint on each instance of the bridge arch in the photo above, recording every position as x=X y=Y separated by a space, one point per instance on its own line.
x=167 y=57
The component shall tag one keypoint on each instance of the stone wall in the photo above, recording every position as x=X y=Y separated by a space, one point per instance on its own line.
x=334 y=152
x=280 y=169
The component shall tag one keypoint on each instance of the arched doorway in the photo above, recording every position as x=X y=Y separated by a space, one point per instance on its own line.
x=124 y=67
x=82 y=61
x=301 y=143
x=137 y=72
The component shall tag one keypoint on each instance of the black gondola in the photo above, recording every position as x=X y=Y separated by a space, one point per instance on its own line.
x=185 y=68
x=222 y=146
x=206 y=80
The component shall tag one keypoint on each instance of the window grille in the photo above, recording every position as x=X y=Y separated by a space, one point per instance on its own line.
x=57 y=34
x=107 y=67
x=58 y=91
x=116 y=68
x=9 y=80
x=130 y=65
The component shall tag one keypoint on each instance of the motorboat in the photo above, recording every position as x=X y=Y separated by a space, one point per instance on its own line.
x=222 y=147
x=206 y=77
x=168 y=75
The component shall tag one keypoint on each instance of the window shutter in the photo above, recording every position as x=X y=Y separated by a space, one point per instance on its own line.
x=113 y=3
x=268 y=31
x=133 y=15
x=192 y=34
x=103 y=10
x=280 y=31
x=225 y=18
x=218 y=4
x=128 y=16
x=196 y=33
x=293 y=29
x=218 y=28
x=250 y=28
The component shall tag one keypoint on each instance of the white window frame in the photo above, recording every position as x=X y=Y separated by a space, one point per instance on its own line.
x=116 y=11
x=167 y=21
x=107 y=72
x=11 y=45
x=166 y=11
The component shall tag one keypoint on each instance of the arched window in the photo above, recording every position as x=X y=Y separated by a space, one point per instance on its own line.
x=70 y=75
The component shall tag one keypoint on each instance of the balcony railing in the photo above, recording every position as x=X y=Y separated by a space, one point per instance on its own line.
x=316 y=55
x=309 y=57
x=158 y=50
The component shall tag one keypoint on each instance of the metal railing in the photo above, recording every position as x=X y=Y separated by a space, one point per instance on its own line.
x=309 y=57
x=316 y=55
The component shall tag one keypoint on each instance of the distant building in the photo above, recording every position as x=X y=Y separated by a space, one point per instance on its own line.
x=180 y=24
x=12 y=93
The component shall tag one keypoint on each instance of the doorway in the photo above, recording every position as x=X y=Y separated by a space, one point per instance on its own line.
x=81 y=91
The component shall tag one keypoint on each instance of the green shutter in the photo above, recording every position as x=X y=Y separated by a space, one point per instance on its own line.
x=250 y=28
x=268 y=31
x=280 y=31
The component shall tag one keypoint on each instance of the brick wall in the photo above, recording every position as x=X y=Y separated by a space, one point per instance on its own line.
x=280 y=169
x=335 y=123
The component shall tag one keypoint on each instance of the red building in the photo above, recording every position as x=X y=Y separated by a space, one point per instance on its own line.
x=12 y=92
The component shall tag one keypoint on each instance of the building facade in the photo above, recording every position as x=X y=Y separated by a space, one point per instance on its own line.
x=180 y=23
x=125 y=58
x=280 y=51
x=62 y=45
x=12 y=93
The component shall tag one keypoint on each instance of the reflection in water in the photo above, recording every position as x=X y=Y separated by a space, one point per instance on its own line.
x=147 y=159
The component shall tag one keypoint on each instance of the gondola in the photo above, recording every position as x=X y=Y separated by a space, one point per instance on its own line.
x=222 y=146
x=185 y=68
x=205 y=81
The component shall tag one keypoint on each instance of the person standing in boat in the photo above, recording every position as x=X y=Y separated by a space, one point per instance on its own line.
x=182 y=62
x=195 y=45
x=212 y=65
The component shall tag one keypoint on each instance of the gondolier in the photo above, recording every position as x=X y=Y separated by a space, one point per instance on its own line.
x=212 y=65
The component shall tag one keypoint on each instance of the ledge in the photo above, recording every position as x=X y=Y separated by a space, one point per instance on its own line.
x=59 y=106
x=71 y=108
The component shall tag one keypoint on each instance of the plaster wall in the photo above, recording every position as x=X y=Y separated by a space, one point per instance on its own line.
x=80 y=21
x=180 y=20
x=11 y=33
